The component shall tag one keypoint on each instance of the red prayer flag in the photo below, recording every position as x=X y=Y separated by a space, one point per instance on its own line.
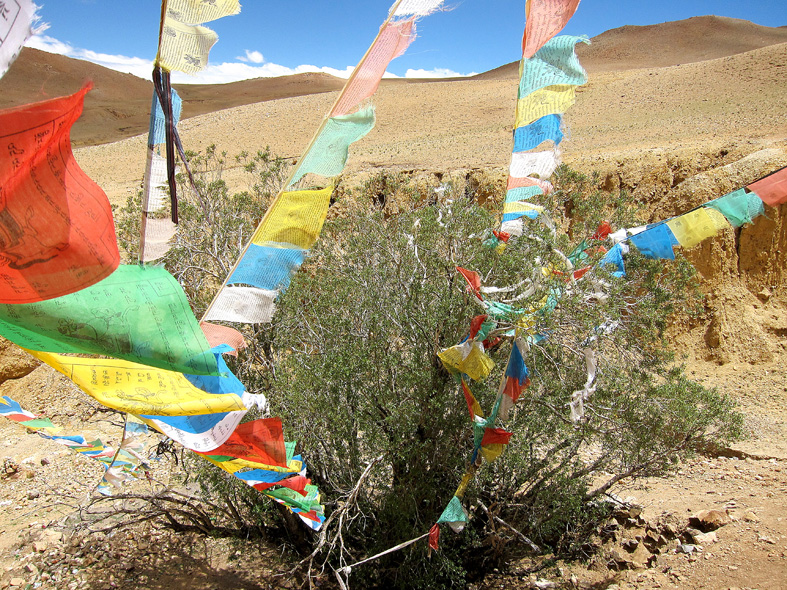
x=503 y=236
x=472 y=278
x=772 y=189
x=259 y=441
x=56 y=230
x=496 y=436
x=434 y=537
x=475 y=324
x=297 y=483
x=604 y=229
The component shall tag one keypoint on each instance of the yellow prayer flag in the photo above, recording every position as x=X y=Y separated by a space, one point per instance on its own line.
x=466 y=479
x=296 y=218
x=184 y=48
x=551 y=100
x=693 y=227
x=477 y=364
x=139 y=389
x=451 y=357
x=520 y=206
x=234 y=465
x=492 y=452
x=195 y=12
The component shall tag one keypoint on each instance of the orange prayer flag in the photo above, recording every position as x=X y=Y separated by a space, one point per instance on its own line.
x=56 y=230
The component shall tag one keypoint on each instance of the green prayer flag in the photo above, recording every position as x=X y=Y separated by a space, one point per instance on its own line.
x=328 y=155
x=454 y=512
x=139 y=314
x=738 y=207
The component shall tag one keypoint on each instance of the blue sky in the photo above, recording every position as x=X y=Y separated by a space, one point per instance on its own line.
x=279 y=37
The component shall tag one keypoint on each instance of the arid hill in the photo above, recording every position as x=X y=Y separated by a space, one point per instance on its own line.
x=119 y=105
x=696 y=39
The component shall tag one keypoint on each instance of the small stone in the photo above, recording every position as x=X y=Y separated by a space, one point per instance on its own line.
x=764 y=539
x=705 y=538
x=764 y=295
x=687 y=548
x=750 y=516
x=33 y=494
x=544 y=585
x=45 y=461
x=17 y=582
x=39 y=546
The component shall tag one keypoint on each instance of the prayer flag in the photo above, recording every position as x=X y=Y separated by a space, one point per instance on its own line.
x=547 y=128
x=140 y=390
x=556 y=63
x=16 y=18
x=259 y=441
x=184 y=48
x=656 y=242
x=514 y=182
x=328 y=154
x=56 y=229
x=390 y=44
x=417 y=7
x=138 y=313
x=542 y=164
x=294 y=220
x=194 y=12
x=454 y=515
x=739 y=207
x=772 y=189
x=545 y=19
x=546 y=101
x=693 y=227
x=248 y=305
x=217 y=334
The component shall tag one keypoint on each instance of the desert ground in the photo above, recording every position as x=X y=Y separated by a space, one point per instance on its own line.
x=676 y=114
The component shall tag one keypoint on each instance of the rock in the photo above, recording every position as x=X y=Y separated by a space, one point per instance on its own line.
x=764 y=295
x=544 y=584
x=45 y=461
x=710 y=520
x=764 y=539
x=40 y=546
x=705 y=538
x=750 y=516
x=33 y=494
x=687 y=548
x=31 y=569
x=17 y=582
x=630 y=545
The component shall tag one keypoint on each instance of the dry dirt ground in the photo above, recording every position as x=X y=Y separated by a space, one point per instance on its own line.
x=672 y=135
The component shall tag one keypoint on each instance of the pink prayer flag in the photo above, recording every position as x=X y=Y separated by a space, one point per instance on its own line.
x=514 y=182
x=772 y=189
x=545 y=19
x=217 y=335
x=392 y=42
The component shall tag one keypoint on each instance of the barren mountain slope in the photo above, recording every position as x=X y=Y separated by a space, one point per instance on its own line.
x=445 y=126
x=667 y=44
x=119 y=104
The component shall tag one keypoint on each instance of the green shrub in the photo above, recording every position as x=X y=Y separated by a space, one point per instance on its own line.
x=350 y=365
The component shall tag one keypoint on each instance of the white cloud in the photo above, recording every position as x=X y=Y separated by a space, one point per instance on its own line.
x=436 y=73
x=121 y=63
x=252 y=65
x=254 y=57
